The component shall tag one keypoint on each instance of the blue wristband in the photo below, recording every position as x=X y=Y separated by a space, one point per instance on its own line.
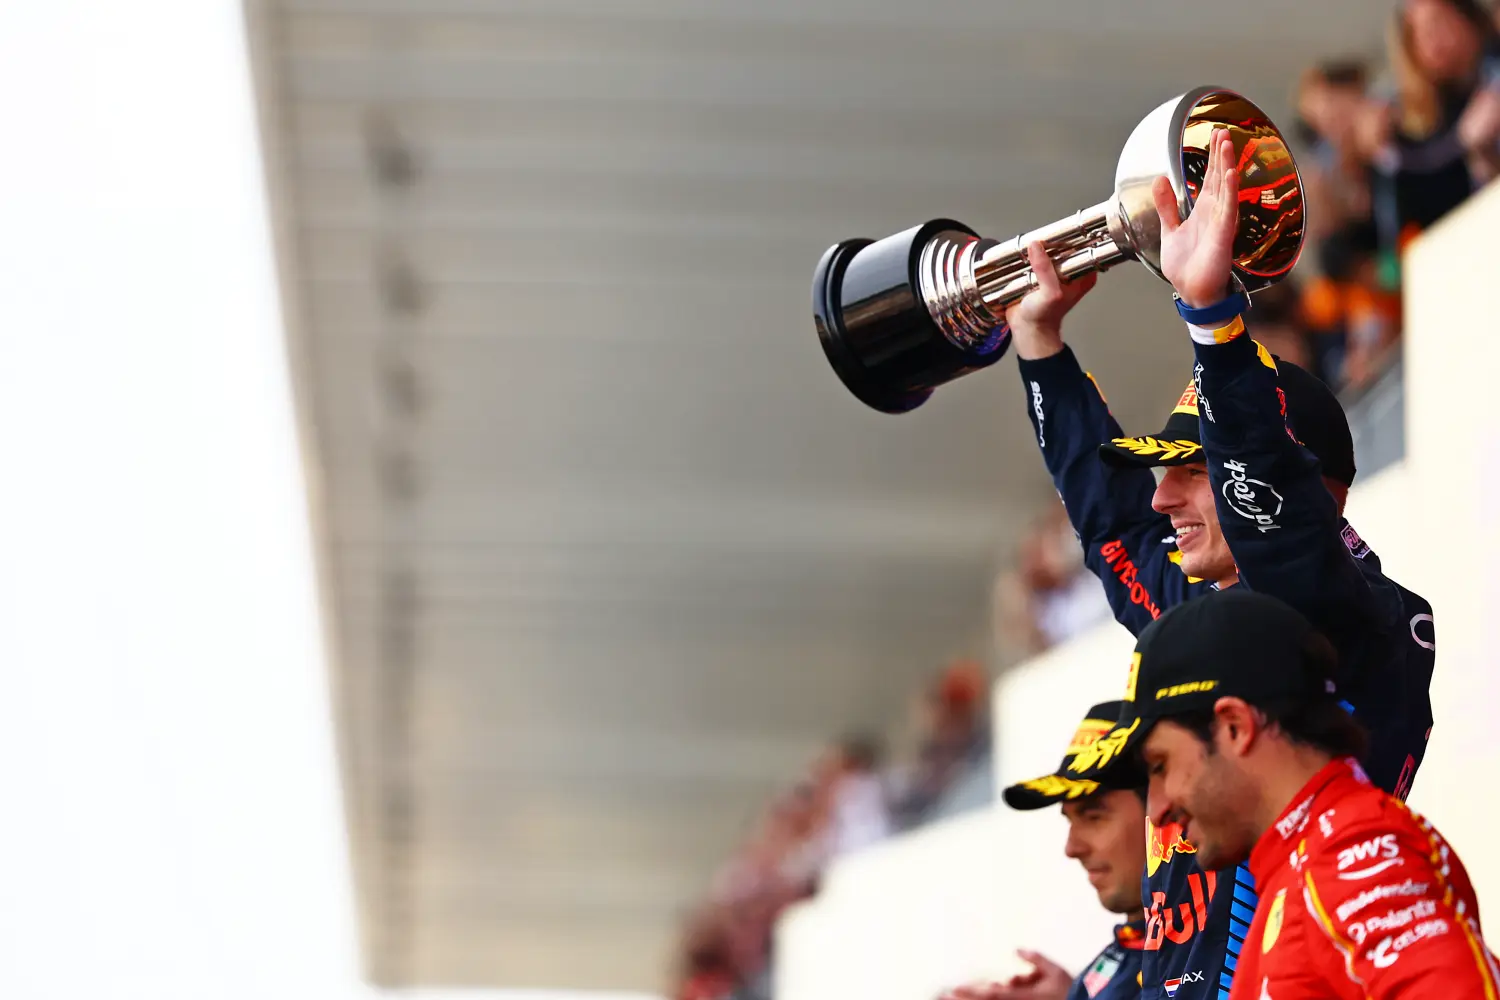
x=1214 y=315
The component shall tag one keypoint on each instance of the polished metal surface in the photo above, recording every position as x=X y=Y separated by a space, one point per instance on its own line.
x=1171 y=141
x=891 y=353
x=948 y=279
x=1078 y=245
x=611 y=552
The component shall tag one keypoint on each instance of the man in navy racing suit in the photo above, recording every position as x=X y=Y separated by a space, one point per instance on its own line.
x=1251 y=492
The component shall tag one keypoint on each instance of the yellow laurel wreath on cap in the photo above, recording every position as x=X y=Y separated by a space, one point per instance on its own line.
x=1053 y=786
x=1101 y=753
x=1150 y=446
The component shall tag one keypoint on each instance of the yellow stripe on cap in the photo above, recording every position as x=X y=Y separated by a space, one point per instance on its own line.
x=1132 y=676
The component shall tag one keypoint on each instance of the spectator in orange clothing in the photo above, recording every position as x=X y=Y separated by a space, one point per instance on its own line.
x=1352 y=321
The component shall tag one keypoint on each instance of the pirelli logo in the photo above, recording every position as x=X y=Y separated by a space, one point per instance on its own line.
x=1188 y=401
x=1177 y=690
x=1090 y=731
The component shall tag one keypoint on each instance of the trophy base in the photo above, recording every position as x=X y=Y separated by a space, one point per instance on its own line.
x=875 y=325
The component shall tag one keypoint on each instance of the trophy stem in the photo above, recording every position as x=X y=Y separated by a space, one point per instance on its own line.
x=1079 y=244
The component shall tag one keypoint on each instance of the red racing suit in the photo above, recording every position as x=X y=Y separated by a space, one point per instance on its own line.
x=1360 y=898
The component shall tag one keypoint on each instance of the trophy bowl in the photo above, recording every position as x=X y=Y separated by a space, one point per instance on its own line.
x=900 y=316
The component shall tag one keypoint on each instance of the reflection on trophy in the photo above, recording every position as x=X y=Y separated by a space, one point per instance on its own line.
x=900 y=316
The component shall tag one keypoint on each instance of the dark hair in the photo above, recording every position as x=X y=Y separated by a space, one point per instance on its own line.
x=1346 y=72
x=1319 y=722
x=1315 y=718
x=1333 y=73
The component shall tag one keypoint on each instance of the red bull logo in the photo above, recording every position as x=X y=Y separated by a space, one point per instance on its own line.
x=1179 y=923
x=1162 y=843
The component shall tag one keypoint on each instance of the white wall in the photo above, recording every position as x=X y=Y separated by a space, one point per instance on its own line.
x=1453 y=443
x=951 y=903
x=171 y=822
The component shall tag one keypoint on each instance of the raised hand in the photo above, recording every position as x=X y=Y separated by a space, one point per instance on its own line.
x=1035 y=320
x=1196 y=253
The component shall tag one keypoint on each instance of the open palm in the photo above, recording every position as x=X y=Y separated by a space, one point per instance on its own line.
x=1197 y=253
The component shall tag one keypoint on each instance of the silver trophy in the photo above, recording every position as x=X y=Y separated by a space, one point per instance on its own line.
x=900 y=316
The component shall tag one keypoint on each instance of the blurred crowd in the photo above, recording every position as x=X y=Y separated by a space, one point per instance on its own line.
x=1387 y=150
x=1050 y=596
x=849 y=798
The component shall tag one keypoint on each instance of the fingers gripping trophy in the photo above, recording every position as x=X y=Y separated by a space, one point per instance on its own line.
x=900 y=316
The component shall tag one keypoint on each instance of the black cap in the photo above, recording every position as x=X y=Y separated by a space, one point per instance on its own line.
x=1313 y=413
x=1060 y=785
x=1229 y=644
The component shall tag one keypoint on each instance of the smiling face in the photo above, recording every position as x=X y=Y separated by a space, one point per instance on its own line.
x=1104 y=835
x=1205 y=791
x=1187 y=497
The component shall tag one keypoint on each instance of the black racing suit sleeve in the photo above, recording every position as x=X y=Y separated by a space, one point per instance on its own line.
x=1281 y=523
x=1126 y=544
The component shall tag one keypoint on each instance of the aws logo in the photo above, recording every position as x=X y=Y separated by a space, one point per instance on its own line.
x=1162 y=843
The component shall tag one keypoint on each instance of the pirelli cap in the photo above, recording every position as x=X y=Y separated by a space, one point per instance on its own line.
x=1233 y=643
x=1061 y=786
x=1313 y=413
